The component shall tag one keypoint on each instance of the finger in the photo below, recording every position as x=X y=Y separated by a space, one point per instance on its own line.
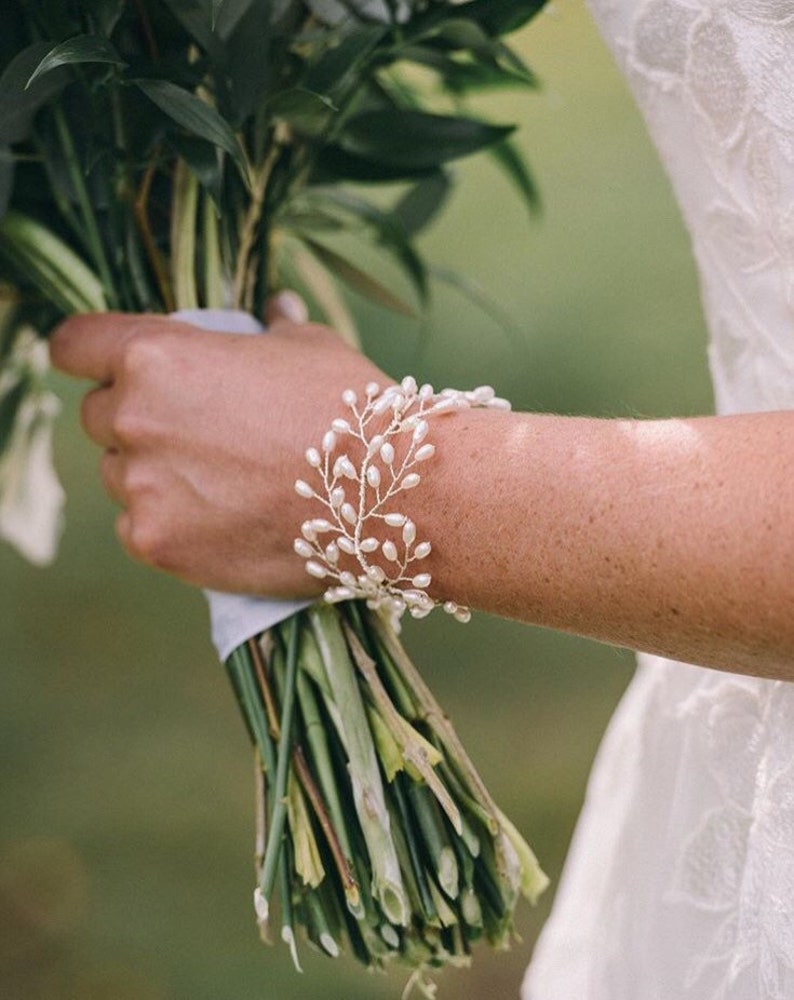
x=286 y=305
x=111 y=472
x=91 y=345
x=96 y=416
x=86 y=345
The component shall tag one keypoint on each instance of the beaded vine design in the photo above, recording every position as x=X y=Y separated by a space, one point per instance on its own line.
x=357 y=496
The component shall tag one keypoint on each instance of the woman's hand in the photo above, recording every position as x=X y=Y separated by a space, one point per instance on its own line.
x=205 y=434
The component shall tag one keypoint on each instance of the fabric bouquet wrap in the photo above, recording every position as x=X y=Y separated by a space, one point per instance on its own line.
x=191 y=157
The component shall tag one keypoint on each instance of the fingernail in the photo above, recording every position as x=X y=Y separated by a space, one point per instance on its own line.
x=291 y=306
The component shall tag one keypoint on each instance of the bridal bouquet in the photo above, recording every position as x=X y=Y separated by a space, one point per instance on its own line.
x=195 y=155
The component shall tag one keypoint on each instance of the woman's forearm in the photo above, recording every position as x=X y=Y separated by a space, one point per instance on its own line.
x=670 y=536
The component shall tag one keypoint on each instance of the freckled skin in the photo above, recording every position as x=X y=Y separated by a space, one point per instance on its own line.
x=672 y=536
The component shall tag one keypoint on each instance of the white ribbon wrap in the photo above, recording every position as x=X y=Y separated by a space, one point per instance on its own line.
x=234 y=618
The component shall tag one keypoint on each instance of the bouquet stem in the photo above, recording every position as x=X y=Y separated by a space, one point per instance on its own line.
x=380 y=834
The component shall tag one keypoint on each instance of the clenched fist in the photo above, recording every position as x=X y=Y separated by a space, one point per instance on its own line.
x=205 y=434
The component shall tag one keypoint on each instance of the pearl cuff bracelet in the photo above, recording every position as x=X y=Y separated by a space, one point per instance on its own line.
x=361 y=496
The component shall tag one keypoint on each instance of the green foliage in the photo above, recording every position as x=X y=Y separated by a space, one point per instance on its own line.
x=100 y=100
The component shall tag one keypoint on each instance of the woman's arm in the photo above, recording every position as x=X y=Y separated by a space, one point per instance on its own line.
x=670 y=536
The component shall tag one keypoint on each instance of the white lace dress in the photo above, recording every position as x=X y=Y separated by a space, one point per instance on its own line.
x=680 y=880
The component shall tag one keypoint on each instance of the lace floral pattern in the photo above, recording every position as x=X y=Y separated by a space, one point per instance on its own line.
x=680 y=883
x=738 y=861
x=714 y=80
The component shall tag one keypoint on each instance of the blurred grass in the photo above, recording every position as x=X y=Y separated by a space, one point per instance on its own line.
x=126 y=804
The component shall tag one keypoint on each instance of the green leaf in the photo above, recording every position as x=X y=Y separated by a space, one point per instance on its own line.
x=388 y=232
x=230 y=12
x=334 y=163
x=357 y=279
x=196 y=17
x=338 y=62
x=204 y=161
x=305 y=110
x=500 y=17
x=417 y=209
x=512 y=162
x=6 y=178
x=196 y=117
x=80 y=49
x=417 y=140
x=462 y=33
x=461 y=76
x=339 y=11
x=106 y=14
x=9 y=405
x=44 y=260
x=251 y=64
x=18 y=105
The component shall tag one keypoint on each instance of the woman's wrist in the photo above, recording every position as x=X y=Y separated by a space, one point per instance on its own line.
x=360 y=537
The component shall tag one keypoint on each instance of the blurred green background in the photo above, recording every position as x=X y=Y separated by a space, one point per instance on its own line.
x=125 y=792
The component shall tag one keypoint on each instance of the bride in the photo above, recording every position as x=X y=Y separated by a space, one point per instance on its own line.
x=674 y=537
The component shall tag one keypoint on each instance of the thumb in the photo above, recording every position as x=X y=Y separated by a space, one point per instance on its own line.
x=286 y=306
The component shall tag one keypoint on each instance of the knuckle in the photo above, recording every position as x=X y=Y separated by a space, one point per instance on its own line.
x=129 y=424
x=144 y=352
x=144 y=539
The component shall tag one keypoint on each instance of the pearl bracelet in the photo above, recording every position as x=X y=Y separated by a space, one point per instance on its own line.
x=357 y=497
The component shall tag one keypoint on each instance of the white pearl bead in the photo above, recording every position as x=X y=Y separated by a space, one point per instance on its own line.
x=390 y=551
x=303 y=489
x=422 y=580
x=316 y=570
x=349 y=398
x=369 y=545
x=373 y=476
x=348 y=512
x=409 y=533
x=387 y=453
x=422 y=550
x=303 y=548
x=411 y=480
x=395 y=520
x=340 y=426
x=329 y=441
x=346 y=545
x=337 y=496
x=425 y=452
x=313 y=457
